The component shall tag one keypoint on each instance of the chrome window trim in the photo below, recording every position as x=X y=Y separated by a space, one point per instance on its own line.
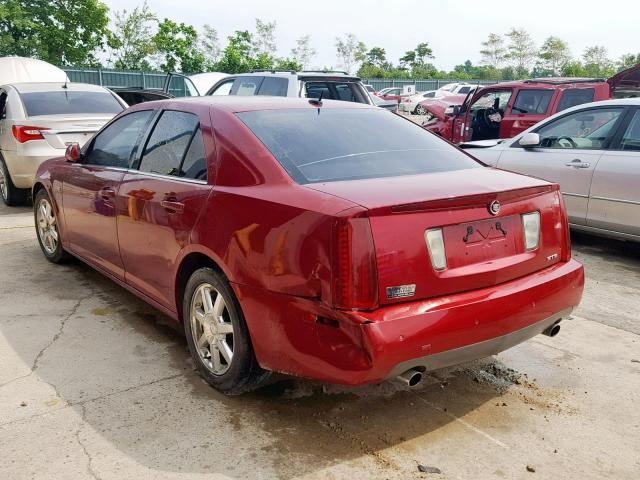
x=149 y=174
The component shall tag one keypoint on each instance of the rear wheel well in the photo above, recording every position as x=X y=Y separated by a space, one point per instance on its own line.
x=190 y=264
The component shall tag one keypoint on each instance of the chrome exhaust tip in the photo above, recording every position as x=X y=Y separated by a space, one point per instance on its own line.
x=410 y=378
x=552 y=330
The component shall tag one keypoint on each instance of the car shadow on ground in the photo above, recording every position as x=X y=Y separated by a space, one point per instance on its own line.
x=117 y=362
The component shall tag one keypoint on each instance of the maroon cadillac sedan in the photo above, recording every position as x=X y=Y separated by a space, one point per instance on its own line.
x=325 y=239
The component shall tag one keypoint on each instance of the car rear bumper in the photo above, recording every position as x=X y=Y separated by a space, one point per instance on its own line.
x=302 y=337
x=23 y=168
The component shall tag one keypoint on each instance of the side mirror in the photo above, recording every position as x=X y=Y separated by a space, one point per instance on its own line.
x=73 y=153
x=530 y=140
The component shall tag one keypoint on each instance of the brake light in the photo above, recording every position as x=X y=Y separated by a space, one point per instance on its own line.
x=531 y=228
x=566 y=247
x=355 y=276
x=24 y=133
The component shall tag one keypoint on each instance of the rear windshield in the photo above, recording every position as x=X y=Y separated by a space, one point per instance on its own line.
x=66 y=102
x=324 y=145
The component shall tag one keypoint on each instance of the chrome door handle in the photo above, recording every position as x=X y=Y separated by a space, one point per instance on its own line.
x=577 y=163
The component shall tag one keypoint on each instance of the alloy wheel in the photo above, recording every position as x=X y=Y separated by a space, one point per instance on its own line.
x=47 y=226
x=212 y=329
x=3 y=181
x=420 y=110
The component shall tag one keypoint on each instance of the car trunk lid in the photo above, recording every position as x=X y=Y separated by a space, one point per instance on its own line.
x=626 y=83
x=61 y=130
x=482 y=249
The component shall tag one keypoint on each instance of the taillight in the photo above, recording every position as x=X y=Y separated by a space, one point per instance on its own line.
x=354 y=276
x=566 y=248
x=531 y=229
x=24 y=133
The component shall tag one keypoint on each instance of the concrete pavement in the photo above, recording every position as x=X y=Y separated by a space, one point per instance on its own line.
x=95 y=384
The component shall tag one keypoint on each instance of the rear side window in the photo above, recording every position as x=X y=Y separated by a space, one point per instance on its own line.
x=274 y=86
x=68 y=102
x=631 y=138
x=169 y=142
x=113 y=146
x=575 y=96
x=246 y=86
x=532 y=102
x=323 y=145
x=345 y=91
x=464 y=90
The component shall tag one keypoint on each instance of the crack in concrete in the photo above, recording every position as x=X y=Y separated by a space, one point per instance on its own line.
x=95 y=399
x=83 y=419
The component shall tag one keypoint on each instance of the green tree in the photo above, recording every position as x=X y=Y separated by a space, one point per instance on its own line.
x=264 y=40
x=17 y=29
x=210 y=46
x=554 y=55
x=417 y=58
x=493 y=51
x=377 y=57
x=521 y=51
x=239 y=55
x=177 y=46
x=57 y=31
x=628 y=60
x=597 y=62
x=131 y=39
x=350 y=51
x=303 y=52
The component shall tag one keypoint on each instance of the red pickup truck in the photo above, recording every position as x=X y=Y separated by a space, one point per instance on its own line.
x=506 y=109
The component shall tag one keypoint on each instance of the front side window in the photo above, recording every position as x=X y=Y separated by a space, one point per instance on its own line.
x=223 y=88
x=496 y=99
x=69 y=102
x=586 y=129
x=168 y=143
x=631 y=138
x=532 y=102
x=575 y=96
x=347 y=144
x=114 y=145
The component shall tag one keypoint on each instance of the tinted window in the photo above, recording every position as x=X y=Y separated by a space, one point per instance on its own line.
x=346 y=91
x=274 y=86
x=343 y=144
x=586 y=129
x=314 y=89
x=223 y=89
x=3 y=104
x=631 y=138
x=246 y=86
x=464 y=90
x=532 y=102
x=113 y=146
x=195 y=161
x=575 y=96
x=168 y=143
x=69 y=101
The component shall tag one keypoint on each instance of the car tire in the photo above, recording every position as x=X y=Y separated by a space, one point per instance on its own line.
x=11 y=195
x=420 y=110
x=217 y=334
x=47 y=230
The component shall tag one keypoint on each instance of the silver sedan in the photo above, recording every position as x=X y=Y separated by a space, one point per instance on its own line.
x=593 y=152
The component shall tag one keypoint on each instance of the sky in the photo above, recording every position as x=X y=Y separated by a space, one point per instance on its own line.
x=453 y=29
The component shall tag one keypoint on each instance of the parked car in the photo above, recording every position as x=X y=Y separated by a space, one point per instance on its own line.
x=203 y=82
x=411 y=104
x=507 y=109
x=306 y=84
x=593 y=152
x=329 y=240
x=386 y=104
x=394 y=94
x=370 y=89
x=175 y=85
x=455 y=89
x=39 y=120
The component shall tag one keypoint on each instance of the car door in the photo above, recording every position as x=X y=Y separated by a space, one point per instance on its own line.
x=614 y=199
x=89 y=190
x=569 y=150
x=159 y=201
x=529 y=107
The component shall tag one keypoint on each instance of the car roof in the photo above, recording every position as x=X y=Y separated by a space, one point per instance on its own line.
x=235 y=103
x=551 y=83
x=55 y=86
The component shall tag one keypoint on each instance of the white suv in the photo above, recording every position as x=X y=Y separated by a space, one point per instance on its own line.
x=311 y=84
x=39 y=120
